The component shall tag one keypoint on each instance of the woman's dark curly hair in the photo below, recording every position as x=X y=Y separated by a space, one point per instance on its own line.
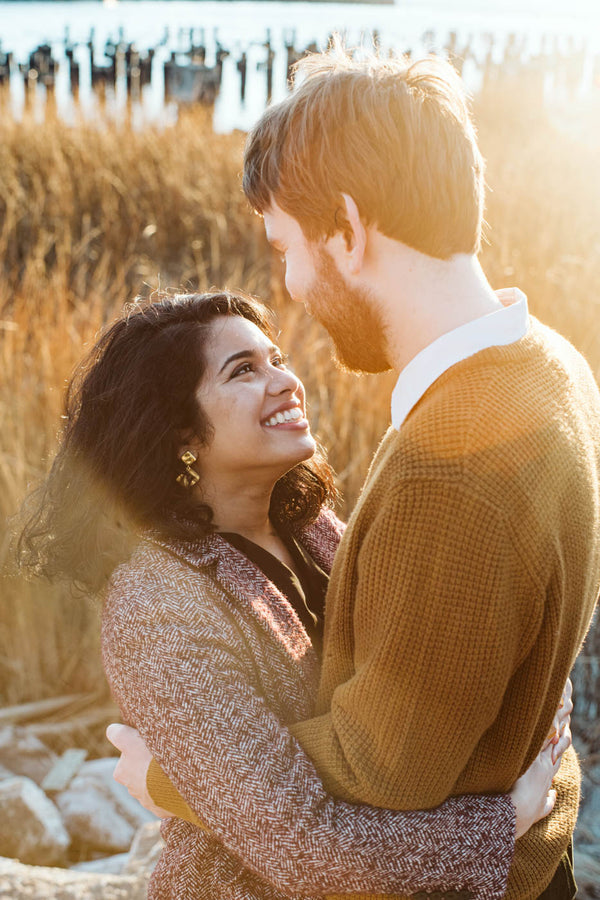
x=115 y=472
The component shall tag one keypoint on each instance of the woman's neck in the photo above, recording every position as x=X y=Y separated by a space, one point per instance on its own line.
x=244 y=510
x=241 y=508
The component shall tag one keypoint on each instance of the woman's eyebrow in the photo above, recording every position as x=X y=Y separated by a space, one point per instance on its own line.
x=241 y=354
x=244 y=354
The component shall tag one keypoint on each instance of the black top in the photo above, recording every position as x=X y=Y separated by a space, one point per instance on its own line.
x=305 y=590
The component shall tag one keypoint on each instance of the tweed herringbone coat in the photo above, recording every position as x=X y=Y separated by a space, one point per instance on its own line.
x=210 y=663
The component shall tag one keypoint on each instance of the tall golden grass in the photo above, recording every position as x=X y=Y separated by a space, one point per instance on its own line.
x=91 y=217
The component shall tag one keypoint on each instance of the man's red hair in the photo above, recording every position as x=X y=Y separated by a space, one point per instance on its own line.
x=394 y=135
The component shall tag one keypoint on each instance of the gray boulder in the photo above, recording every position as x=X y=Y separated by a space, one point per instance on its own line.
x=588 y=822
x=587 y=872
x=98 y=812
x=24 y=754
x=140 y=861
x=20 y=882
x=30 y=826
x=104 y=865
x=145 y=850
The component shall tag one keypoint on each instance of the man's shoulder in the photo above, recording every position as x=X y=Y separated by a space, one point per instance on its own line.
x=554 y=349
x=495 y=420
x=507 y=392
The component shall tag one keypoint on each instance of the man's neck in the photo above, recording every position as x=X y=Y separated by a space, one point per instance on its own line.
x=422 y=298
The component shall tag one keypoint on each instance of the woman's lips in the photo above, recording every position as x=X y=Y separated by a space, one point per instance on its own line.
x=293 y=416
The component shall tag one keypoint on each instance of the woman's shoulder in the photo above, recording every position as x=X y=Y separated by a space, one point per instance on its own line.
x=328 y=526
x=161 y=576
x=322 y=537
x=154 y=560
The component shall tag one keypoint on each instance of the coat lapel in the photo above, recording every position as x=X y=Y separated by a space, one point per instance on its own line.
x=247 y=587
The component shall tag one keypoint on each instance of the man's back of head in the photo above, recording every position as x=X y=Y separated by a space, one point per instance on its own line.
x=393 y=134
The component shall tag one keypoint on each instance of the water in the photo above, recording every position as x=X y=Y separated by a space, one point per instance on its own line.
x=242 y=26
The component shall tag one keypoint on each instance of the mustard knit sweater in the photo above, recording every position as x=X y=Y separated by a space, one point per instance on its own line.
x=462 y=591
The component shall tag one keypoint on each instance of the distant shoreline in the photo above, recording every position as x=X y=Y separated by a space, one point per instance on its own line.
x=116 y=2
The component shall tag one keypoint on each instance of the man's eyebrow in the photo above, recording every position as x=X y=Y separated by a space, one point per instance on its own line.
x=244 y=354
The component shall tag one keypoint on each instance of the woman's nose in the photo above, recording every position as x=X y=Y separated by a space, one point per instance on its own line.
x=283 y=380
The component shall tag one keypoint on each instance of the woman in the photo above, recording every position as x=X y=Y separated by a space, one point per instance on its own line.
x=188 y=458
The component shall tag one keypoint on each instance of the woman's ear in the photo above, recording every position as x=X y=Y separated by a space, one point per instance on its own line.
x=188 y=440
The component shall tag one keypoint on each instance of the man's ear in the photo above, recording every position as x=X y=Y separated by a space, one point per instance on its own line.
x=354 y=234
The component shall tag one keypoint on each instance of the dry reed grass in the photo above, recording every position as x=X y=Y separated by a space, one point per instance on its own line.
x=89 y=218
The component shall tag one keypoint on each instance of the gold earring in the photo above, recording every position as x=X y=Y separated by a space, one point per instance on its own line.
x=190 y=477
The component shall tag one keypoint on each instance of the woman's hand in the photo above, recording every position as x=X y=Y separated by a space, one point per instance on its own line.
x=532 y=794
x=562 y=719
x=132 y=767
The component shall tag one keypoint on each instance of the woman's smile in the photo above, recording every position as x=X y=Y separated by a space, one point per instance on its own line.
x=288 y=414
x=247 y=382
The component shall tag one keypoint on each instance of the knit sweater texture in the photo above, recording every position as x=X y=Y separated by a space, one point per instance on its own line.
x=462 y=591
x=209 y=661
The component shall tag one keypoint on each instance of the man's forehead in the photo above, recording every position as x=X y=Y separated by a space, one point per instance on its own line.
x=278 y=223
x=270 y=219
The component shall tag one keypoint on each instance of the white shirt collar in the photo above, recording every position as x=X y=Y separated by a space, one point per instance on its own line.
x=498 y=328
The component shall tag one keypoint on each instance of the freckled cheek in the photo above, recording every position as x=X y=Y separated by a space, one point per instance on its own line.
x=238 y=418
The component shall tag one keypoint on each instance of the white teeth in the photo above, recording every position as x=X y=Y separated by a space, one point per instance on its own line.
x=290 y=415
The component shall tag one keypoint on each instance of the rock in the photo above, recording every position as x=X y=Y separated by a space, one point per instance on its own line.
x=25 y=754
x=587 y=872
x=19 y=882
x=105 y=865
x=91 y=819
x=98 y=812
x=30 y=825
x=140 y=861
x=101 y=772
x=145 y=850
x=588 y=822
x=64 y=770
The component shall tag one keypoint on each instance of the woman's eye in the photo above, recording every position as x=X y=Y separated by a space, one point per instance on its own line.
x=242 y=370
x=279 y=360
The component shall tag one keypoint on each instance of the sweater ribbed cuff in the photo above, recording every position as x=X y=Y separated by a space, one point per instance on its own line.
x=164 y=794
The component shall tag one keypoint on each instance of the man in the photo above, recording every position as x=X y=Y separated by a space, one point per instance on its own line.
x=470 y=568
x=468 y=575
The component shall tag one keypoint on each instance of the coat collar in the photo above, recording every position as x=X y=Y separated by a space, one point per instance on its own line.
x=321 y=539
x=249 y=587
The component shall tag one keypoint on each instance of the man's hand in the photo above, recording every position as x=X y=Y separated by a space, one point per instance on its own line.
x=133 y=765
